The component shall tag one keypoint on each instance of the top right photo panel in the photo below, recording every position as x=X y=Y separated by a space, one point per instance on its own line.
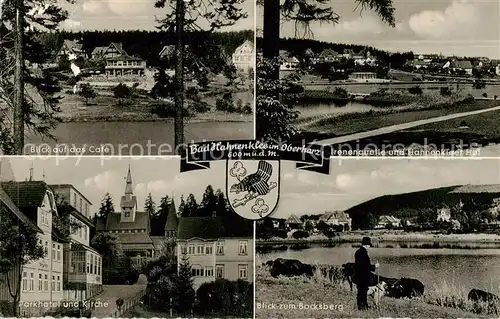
x=380 y=77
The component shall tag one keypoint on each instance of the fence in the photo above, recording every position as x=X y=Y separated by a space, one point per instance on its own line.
x=128 y=304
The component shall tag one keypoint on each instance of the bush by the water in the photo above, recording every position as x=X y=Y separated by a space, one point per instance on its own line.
x=225 y=298
x=166 y=109
x=415 y=90
x=299 y=234
x=445 y=91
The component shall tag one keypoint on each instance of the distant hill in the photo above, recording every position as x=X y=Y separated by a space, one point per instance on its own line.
x=409 y=205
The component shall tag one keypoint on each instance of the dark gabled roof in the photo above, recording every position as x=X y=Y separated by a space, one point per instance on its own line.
x=464 y=64
x=7 y=201
x=99 y=50
x=26 y=195
x=141 y=222
x=200 y=227
x=128 y=203
x=214 y=227
x=57 y=186
x=293 y=220
x=134 y=238
x=172 y=220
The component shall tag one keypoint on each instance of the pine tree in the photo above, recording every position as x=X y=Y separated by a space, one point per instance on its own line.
x=208 y=204
x=39 y=86
x=183 y=283
x=107 y=206
x=191 y=207
x=221 y=203
x=150 y=206
x=182 y=207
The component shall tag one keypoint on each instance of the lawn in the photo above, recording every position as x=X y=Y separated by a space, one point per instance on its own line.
x=359 y=122
x=293 y=295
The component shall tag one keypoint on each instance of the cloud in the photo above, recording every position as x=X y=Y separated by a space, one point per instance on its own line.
x=71 y=24
x=94 y=6
x=460 y=18
x=158 y=190
x=104 y=181
x=130 y=7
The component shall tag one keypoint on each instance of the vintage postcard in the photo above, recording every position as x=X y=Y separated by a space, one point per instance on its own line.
x=382 y=237
x=122 y=237
x=119 y=77
x=380 y=77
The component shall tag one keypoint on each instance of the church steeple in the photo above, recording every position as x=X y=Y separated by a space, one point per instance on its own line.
x=128 y=185
x=128 y=202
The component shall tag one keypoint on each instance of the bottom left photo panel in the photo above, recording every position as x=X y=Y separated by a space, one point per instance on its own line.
x=120 y=237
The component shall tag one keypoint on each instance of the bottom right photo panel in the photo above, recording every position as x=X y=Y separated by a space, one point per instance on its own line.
x=383 y=237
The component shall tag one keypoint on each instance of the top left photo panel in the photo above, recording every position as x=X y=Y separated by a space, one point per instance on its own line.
x=124 y=77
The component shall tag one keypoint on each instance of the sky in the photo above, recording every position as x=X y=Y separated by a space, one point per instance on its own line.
x=351 y=180
x=450 y=27
x=130 y=15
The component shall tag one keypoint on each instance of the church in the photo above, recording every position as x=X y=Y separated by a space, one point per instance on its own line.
x=133 y=227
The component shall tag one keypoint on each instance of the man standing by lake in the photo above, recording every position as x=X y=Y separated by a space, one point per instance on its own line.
x=363 y=272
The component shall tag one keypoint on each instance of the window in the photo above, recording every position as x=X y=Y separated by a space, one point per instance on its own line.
x=59 y=252
x=196 y=271
x=46 y=250
x=25 y=281
x=53 y=283
x=220 y=248
x=219 y=271
x=243 y=247
x=81 y=205
x=199 y=249
x=209 y=250
x=209 y=271
x=58 y=283
x=46 y=283
x=32 y=282
x=184 y=250
x=74 y=200
x=84 y=232
x=127 y=213
x=54 y=252
x=243 y=271
x=80 y=231
x=88 y=267
x=40 y=282
x=99 y=267
x=86 y=209
x=91 y=264
x=191 y=250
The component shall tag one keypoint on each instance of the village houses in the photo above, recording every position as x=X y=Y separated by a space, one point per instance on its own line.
x=83 y=264
x=216 y=248
x=71 y=49
x=337 y=218
x=244 y=57
x=387 y=221
x=118 y=62
x=293 y=222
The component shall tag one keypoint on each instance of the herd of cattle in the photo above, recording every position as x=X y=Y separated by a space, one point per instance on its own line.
x=394 y=287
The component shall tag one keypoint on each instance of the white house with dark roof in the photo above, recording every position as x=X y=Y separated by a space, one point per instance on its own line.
x=41 y=279
x=216 y=248
x=82 y=263
x=293 y=222
x=337 y=218
x=386 y=220
x=69 y=48
x=118 y=61
x=244 y=57
x=131 y=227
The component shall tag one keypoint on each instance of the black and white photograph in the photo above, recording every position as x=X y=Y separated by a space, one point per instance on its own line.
x=355 y=73
x=123 y=237
x=383 y=238
x=141 y=77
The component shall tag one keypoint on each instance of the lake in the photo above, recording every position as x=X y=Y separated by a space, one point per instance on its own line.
x=135 y=136
x=490 y=89
x=461 y=268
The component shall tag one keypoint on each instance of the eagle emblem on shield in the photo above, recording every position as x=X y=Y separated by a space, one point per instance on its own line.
x=252 y=187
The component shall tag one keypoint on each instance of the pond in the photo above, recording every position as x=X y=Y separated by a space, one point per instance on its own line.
x=435 y=267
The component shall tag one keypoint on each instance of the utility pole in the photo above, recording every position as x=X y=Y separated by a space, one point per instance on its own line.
x=180 y=11
x=18 y=81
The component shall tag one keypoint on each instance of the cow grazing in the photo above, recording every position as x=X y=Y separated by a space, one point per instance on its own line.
x=491 y=300
x=290 y=268
x=407 y=288
x=348 y=273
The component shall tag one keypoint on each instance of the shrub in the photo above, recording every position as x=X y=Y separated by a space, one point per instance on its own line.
x=167 y=109
x=479 y=84
x=280 y=233
x=200 y=107
x=415 y=90
x=485 y=94
x=299 y=234
x=341 y=92
x=225 y=298
x=445 y=91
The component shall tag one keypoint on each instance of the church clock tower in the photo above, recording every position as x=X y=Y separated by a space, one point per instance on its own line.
x=128 y=202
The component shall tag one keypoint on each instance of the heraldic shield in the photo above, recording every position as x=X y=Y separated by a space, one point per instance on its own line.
x=253 y=187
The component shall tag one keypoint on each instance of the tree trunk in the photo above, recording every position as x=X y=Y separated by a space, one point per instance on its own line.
x=18 y=133
x=271 y=40
x=179 y=75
